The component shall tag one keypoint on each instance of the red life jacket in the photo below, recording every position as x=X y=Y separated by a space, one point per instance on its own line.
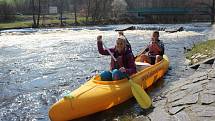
x=154 y=49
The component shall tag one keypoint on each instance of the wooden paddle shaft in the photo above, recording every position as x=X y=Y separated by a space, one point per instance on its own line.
x=111 y=54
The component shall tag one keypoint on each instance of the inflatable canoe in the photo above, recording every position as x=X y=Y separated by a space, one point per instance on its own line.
x=96 y=95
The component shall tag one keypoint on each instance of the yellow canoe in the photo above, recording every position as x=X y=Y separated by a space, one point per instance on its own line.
x=96 y=95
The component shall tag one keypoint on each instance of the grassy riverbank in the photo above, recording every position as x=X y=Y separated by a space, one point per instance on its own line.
x=201 y=51
x=47 y=21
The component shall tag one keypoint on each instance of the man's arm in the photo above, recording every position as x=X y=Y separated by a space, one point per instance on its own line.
x=161 y=46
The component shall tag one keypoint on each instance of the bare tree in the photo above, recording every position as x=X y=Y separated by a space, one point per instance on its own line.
x=36 y=11
x=75 y=11
x=211 y=9
x=39 y=13
x=212 y=12
x=95 y=7
x=61 y=3
x=88 y=10
x=119 y=7
x=7 y=9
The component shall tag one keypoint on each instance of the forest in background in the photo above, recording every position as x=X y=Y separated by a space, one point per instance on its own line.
x=91 y=12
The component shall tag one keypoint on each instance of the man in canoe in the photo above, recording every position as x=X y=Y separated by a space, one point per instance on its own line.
x=124 y=65
x=155 y=50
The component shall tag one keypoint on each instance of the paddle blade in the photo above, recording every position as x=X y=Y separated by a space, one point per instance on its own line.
x=141 y=96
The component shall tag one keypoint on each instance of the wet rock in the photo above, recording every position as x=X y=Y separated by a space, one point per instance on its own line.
x=206 y=98
x=176 y=96
x=160 y=103
x=195 y=60
x=179 y=83
x=212 y=91
x=182 y=116
x=206 y=61
x=195 y=89
x=213 y=66
x=210 y=85
x=204 y=67
x=206 y=118
x=192 y=85
x=198 y=74
x=189 y=99
x=197 y=55
x=203 y=56
x=212 y=73
x=159 y=114
x=209 y=60
x=203 y=110
x=199 y=79
x=141 y=118
x=187 y=62
x=174 y=110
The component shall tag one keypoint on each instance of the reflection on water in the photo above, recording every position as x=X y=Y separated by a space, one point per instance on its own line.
x=37 y=66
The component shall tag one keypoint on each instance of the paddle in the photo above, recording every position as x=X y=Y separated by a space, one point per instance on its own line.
x=139 y=93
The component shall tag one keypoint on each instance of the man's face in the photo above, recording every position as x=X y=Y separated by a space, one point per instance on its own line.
x=155 y=37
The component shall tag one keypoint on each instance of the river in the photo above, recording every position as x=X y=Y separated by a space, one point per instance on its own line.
x=39 y=66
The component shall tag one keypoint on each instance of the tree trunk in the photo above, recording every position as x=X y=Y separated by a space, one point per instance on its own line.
x=33 y=13
x=75 y=11
x=61 y=13
x=213 y=12
x=94 y=16
x=39 y=12
x=88 y=10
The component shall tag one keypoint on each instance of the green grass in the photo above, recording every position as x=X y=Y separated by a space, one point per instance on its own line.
x=15 y=25
x=49 y=20
x=204 y=48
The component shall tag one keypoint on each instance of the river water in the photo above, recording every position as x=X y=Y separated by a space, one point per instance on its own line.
x=39 y=66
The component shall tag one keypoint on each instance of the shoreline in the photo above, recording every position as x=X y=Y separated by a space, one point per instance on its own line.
x=27 y=24
x=189 y=99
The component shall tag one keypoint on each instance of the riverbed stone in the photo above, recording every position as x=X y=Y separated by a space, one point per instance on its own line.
x=201 y=78
x=213 y=66
x=207 y=98
x=179 y=83
x=182 y=116
x=198 y=74
x=141 y=118
x=195 y=89
x=160 y=103
x=174 y=110
x=189 y=99
x=203 y=110
x=159 y=114
x=195 y=60
x=176 y=96
x=206 y=118
x=212 y=73
x=203 y=67
x=192 y=85
x=210 y=85
x=210 y=91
